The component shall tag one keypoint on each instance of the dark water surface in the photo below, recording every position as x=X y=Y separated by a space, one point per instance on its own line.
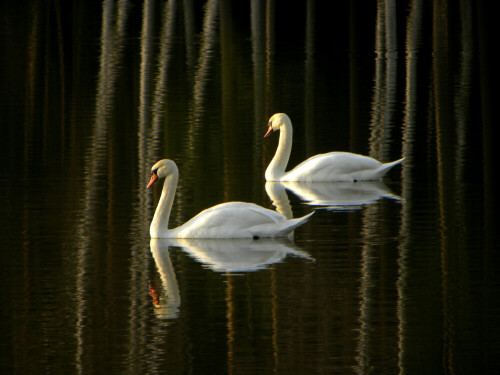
x=393 y=277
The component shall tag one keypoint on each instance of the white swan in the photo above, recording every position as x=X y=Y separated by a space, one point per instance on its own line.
x=226 y=220
x=332 y=166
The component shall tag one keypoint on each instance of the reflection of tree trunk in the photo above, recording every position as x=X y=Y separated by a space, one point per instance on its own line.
x=230 y=126
x=379 y=73
x=381 y=124
x=145 y=85
x=269 y=79
x=412 y=46
x=149 y=135
x=377 y=309
x=444 y=139
x=364 y=359
x=139 y=275
x=462 y=94
x=354 y=108
x=231 y=360
x=309 y=78
x=391 y=80
x=258 y=56
x=385 y=80
x=201 y=78
x=97 y=161
x=270 y=6
x=160 y=92
x=188 y=11
x=205 y=59
x=413 y=38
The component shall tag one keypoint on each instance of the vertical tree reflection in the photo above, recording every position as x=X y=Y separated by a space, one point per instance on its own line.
x=413 y=39
x=258 y=25
x=385 y=80
x=309 y=76
x=197 y=108
x=383 y=111
x=139 y=254
x=114 y=17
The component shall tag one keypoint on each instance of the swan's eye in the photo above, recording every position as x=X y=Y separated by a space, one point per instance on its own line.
x=153 y=178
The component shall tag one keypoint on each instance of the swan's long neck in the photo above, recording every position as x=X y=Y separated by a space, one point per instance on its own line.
x=276 y=168
x=159 y=225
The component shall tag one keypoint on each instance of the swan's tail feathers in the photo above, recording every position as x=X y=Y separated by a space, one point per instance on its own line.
x=301 y=220
x=281 y=229
x=387 y=166
x=289 y=225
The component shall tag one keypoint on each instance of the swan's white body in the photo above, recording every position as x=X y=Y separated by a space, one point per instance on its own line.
x=226 y=220
x=332 y=166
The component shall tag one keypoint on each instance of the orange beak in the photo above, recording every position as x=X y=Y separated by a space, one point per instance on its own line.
x=154 y=177
x=269 y=130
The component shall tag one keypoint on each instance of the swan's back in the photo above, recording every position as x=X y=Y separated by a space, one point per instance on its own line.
x=234 y=220
x=338 y=166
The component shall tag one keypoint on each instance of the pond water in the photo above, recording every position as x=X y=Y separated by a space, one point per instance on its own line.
x=396 y=276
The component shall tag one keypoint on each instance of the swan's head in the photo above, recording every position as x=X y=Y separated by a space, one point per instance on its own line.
x=162 y=169
x=276 y=122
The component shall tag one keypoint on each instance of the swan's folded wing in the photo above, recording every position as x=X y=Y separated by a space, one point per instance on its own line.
x=228 y=220
x=331 y=166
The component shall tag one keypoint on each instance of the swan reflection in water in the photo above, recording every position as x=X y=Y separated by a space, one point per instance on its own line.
x=166 y=307
x=337 y=195
x=220 y=255
x=237 y=255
